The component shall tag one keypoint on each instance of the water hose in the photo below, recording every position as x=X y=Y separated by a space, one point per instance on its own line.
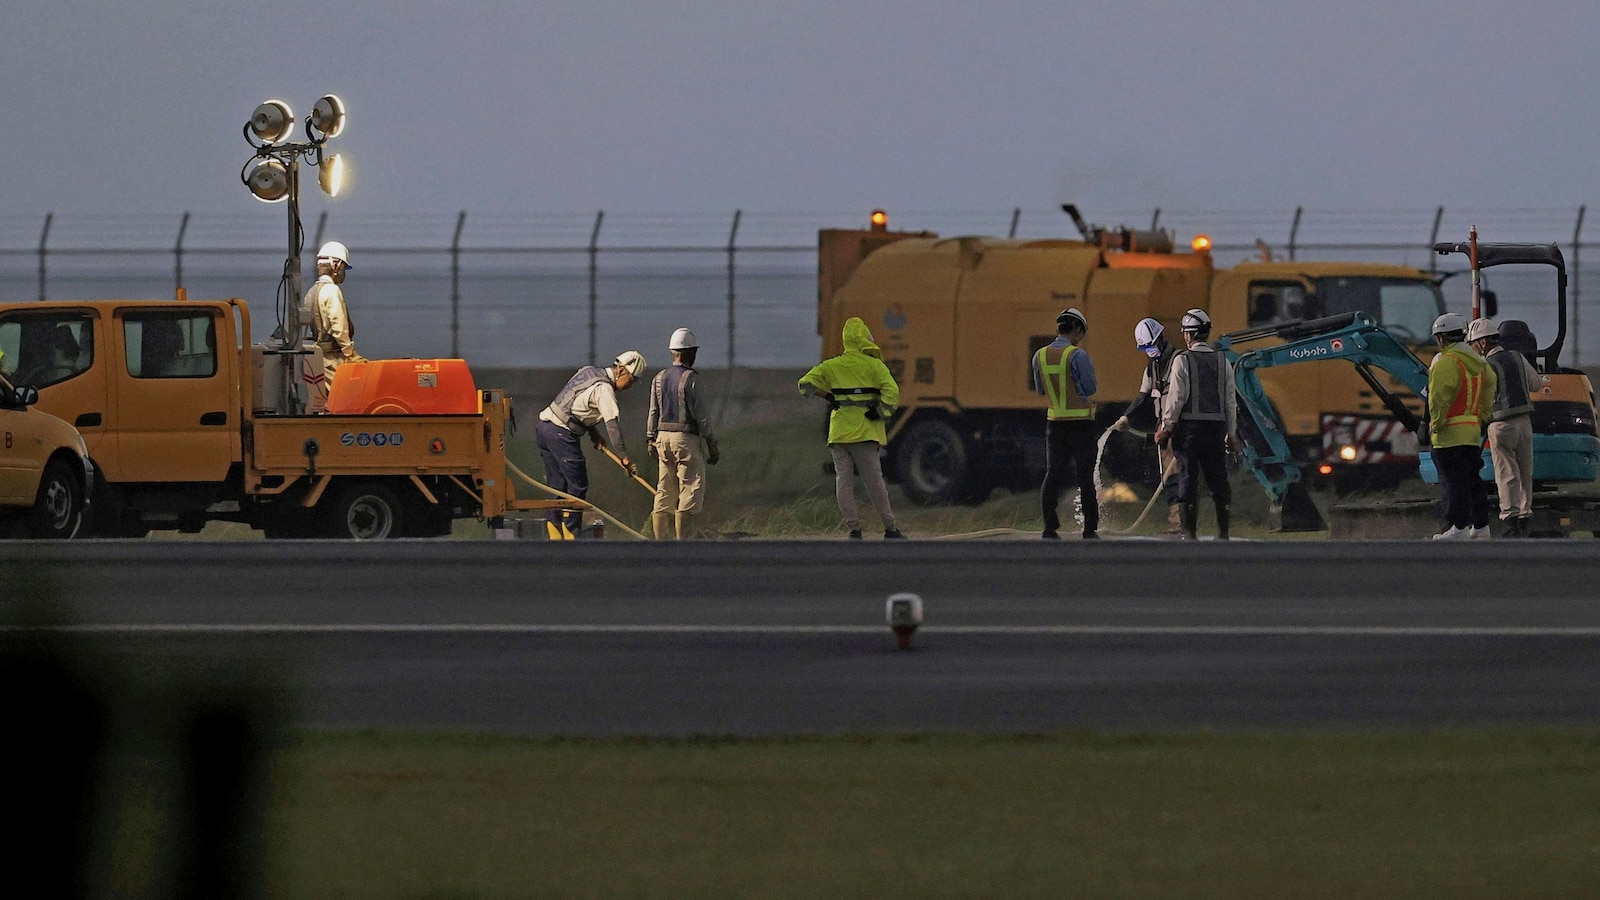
x=1099 y=485
x=566 y=496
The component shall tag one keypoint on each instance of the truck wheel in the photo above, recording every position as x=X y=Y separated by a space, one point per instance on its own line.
x=937 y=467
x=366 y=512
x=58 y=510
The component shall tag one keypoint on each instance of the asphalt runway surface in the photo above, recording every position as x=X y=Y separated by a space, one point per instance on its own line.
x=761 y=638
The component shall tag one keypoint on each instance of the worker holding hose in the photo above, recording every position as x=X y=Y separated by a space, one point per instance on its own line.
x=1151 y=340
x=584 y=405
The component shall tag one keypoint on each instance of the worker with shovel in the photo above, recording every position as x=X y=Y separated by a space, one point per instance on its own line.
x=588 y=400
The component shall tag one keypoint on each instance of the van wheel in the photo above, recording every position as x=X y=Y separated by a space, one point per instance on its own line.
x=367 y=511
x=936 y=466
x=58 y=510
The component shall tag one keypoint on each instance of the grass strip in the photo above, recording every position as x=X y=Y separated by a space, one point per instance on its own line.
x=1460 y=813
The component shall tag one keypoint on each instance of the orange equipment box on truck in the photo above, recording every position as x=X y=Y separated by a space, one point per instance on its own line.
x=958 y=320
x=164 y=395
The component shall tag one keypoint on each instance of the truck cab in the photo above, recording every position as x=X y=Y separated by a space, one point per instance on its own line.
x=45 y=472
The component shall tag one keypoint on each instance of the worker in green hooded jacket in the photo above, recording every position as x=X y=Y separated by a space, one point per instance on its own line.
x=861 y=393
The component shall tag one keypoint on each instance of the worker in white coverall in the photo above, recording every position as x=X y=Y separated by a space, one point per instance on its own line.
x=680 y=440
x=333 y=332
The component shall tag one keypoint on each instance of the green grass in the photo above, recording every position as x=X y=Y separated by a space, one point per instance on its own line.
x=1383 y=814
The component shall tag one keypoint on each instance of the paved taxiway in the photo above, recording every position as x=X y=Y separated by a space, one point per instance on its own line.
x=788 y=637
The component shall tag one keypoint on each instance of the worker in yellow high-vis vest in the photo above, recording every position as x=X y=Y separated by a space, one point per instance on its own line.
x=1461 y=388
x=1063 y=373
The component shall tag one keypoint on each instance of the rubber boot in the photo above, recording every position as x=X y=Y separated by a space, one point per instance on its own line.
x=1191 y=519
x=661 y=524
x=1224 y=516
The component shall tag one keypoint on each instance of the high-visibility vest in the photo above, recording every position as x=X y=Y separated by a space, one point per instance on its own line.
x=1056 y=375
x=1463 y=409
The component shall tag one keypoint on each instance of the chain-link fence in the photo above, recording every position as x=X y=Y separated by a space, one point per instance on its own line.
x=565 y=289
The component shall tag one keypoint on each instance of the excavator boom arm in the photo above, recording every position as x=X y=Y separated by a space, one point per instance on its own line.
x=1356 y=337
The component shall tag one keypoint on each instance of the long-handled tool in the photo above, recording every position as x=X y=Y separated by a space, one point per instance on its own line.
x=618 y=460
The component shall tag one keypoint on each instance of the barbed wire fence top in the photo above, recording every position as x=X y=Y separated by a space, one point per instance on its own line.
x=563 y=289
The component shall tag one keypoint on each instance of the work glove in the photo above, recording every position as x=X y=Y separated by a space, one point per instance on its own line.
x=712 y=453
x=1120 y=425
x=356 y=358
x=1230 y=443
x=650 y=448
x=633 y=470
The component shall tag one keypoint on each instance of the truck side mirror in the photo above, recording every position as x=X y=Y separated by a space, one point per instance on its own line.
x=24 y=396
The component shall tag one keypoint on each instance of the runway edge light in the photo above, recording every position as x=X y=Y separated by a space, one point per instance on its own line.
x=904 y=613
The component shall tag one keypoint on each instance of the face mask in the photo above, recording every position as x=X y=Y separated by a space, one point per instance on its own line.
x=1153 y=351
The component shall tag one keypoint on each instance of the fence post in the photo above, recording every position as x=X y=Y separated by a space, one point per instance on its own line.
x=1016 y=213
x=44 y=241
x=177 y=253
x=733 y=237
x=1577 y=269
x=594 y=291
x=1294 y=231
x=1433 y=238
x=455 y=287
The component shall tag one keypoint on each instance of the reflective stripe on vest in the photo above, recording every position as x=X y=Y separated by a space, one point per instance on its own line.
x=1057 y=379
x=1511 y=390
x=1207 y=388
x=668 y=397
x=1464 y=408
x=561 y=407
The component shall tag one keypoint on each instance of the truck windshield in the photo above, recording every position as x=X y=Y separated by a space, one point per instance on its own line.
x=1404 y=306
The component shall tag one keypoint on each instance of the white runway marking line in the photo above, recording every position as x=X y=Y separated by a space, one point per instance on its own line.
x=1017 y=630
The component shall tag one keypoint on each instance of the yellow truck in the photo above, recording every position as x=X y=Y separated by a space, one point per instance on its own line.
x=959 y=318
x=45 y=472
x=167 y=395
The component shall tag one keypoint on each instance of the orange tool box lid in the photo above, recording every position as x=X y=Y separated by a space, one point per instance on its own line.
x=404 y=387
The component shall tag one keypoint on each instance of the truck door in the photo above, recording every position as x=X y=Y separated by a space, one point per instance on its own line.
x=176 y=397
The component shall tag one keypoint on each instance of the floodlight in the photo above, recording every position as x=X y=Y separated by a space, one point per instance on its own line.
x=327 y=117
x=331 y=175
x=273 y=121
x=268 y=180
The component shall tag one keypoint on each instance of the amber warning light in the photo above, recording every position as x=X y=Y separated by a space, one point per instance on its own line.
x=1201 y=243
x=880 y=220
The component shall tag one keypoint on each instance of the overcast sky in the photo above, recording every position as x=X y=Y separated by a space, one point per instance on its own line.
x=682 y=106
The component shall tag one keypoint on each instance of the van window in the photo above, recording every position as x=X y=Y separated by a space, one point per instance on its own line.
x=42 y=349
x=170 y=344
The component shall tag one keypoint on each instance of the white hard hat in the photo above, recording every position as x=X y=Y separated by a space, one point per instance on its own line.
x=1072 y=317
x=1196 y=320
x=633 y=361
x=1448 y=323
x=682 y=339
x=1482 y=328
x=1146 y=333
x=335 y=250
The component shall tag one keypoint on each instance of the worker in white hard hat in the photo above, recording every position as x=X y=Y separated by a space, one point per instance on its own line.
x=325 y=311
x=1144 y=413
x=1461 y=388
x=1063 y=373
x=1198 y=416
x=1510 y=425
x=584 y=405
x=680 y=440
x=861 y=393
